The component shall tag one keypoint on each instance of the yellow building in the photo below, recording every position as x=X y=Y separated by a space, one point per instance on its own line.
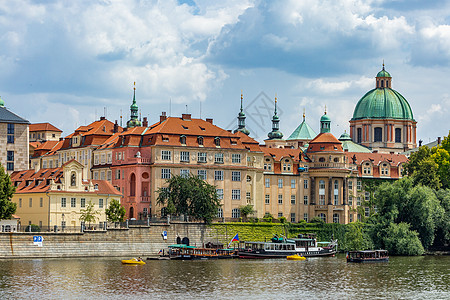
x=55 y=197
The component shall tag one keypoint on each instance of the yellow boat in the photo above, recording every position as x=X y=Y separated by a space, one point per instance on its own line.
x=133 y=261
x=295 y=257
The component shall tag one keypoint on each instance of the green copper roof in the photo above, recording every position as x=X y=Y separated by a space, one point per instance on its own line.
x=350 y=146
x=325 y=118
x=303 y=132
x=383 y=73
x=383 y=103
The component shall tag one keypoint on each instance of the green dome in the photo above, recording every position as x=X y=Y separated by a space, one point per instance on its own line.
x=383 y=103
x=325 y=118
x=383 y=73
x=345 y=137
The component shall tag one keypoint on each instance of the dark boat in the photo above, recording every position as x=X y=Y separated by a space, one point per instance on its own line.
x=368 y=256
x=184 y=252
x=281 y=248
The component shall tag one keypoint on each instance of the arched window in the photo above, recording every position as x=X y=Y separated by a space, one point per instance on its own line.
x=378 y=134
x=321 y=192
x=322 y=159
x=336 y=159
x=200 y=140
x=220 y=212
x=367 y=168
x=235 y=213
x=132 y=185
x=131 y=213
x=335 y=218
x=359 y=135
x=336 y=192
x=384 y=169
x=398 y=135
x=217 y=141
x=249 y=179
x=73 y=179
x=323 y=217
x=183 y=140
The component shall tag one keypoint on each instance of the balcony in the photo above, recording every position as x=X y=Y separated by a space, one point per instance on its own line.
x=138 y=199
x=132 y=161
x=327 y=165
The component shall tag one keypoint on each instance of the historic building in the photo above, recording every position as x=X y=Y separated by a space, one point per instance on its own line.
x=56 y=196
x=14 y=153
x=41 y=132
x=383 y=120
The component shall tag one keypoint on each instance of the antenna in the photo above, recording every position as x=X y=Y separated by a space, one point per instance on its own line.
x=121 y=118
x=186 y=108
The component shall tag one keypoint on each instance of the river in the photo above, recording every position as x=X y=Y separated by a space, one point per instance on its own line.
x=423 y=277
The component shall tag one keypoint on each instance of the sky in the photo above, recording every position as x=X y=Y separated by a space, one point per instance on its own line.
x=70 y=62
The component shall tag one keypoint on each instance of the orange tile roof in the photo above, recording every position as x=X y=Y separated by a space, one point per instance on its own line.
x=279 y=153
x=325 y=141
x=43 y=127
x=377 y=158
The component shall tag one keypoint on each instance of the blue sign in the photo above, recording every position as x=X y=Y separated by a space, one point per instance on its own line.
x=164 y=234
x=37 y=239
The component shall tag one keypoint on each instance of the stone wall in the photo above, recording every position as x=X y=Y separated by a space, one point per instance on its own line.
x=135 y=241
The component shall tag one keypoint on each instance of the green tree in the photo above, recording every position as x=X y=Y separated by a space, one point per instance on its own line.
x=89 y=214
x=7 y=207
x=355 y=238
x=400 y=240
x=190 y=195
x=443 y=227
x=115 y=211
x=246 y=210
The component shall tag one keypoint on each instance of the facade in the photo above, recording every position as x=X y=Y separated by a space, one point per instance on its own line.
x=383 y=120
x=55 y=197
x=41 y=132
x=14 y=153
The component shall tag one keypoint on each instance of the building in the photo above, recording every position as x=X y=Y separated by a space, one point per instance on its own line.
x=56 y=196
x=42 y=132
x=383 y=120
x=14 y=153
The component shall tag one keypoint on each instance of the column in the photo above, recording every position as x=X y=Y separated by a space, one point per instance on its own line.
x=330 y=190
x=313 y=191
x=344 y=190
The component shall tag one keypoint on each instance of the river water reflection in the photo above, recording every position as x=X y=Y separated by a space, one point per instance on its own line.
x=425 y=277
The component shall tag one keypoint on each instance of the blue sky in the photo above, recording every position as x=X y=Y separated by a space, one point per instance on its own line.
x=69 y=62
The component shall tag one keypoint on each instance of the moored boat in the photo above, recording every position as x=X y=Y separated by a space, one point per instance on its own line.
x=306 y=246
x=368 y=256
x=133 y=261
x=184 y=252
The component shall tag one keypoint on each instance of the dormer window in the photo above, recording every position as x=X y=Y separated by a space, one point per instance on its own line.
x=96 y=187
x=367 y=168
x=73 y=180
x=183 y=140
x=217 y=141
x=322 y=159
x=200 y=140
x=322 y=147
x=165 y=138
x=384 y=169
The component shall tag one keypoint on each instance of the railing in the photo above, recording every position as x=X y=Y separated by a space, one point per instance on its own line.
x=333 y=165
x=133 y=160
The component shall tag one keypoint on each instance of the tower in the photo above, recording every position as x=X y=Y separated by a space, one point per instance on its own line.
x=134 y=122
x=241 y=120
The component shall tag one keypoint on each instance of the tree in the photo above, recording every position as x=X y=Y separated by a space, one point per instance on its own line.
x=246 y=210
x=190 y=195
x=89 y=214
x=356 y=238
x=400 y=240
x=7 y=207
x=443 y=227
x=115 y=212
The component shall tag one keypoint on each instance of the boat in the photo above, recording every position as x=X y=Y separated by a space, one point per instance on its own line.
x=185 y=252
x=133 y=261
x=281 y=247
x=368 y=256
x=295 y=257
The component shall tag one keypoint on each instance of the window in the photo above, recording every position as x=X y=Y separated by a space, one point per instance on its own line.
x=267 y=180
x=218 y=158
x=249 y=179
x=305 y=183
x=359 y=135
x=184 y=172
x=358 y=185
x=367 y=168
x=96 y=159
x=323 y=217
x=10 y=132
x=335 y=218
x=305 y=217
x=351 y=218
x=217 y=142
x=10 y=166
x=166 y=155
x=321 y=199
x=267 y=198
x=366 y=211
x=280 y=199
x=218 y=175
x=358 y=201
x=280 y=215
x=184 y=156
x=398 y=135
x=63 y=202
x=236 y=158
x=31 y=202
x=235 y=213
x=292 y=199
x=280 y=183
x=287 y=167
x=305 y=199
x=248 y=196
x=117 y=174
x=236 y=176
x=200 y=140
x=202 y=174
x=366 y=196
x=268 y=166
x=350 y=185
x=321 y=192
x=292 y=183
x=100 y=203
x=83 y=202
x=385 y=169
x=20 y=202
x=165 y=173
x=336 y=192
x=236 y=194
x=292 y=217
x=73 y=202
x=109 y=158
x=220 y=212
x=322 y=159
x=201 y=157
x=378 y=134
x=108 y=175
x=220 y=194
x=10 y=155
x=350 y=200
x=183 y=140
x=73 y=179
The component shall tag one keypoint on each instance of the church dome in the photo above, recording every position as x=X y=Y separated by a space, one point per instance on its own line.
x=383 y=102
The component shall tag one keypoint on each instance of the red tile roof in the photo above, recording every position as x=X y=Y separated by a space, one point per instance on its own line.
x=279 y=153
x=325 y=142
x=376 y=158
x=43 y=127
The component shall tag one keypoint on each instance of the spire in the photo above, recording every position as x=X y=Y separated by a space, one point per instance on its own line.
x=303 y=115
x=133 y=122
x=241 y=119
x=325 y=122
x=275 y=133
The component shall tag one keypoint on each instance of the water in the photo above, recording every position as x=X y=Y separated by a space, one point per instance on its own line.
x=424 y=277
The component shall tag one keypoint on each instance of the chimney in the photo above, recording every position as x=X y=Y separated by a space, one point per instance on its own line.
x=209 y=120
x=162 y=117
x=102 y=118
x=186 y=117
x=439 y=140
x=116 y=127
x=61 y=138
x=145 y=122
x=420 y=143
